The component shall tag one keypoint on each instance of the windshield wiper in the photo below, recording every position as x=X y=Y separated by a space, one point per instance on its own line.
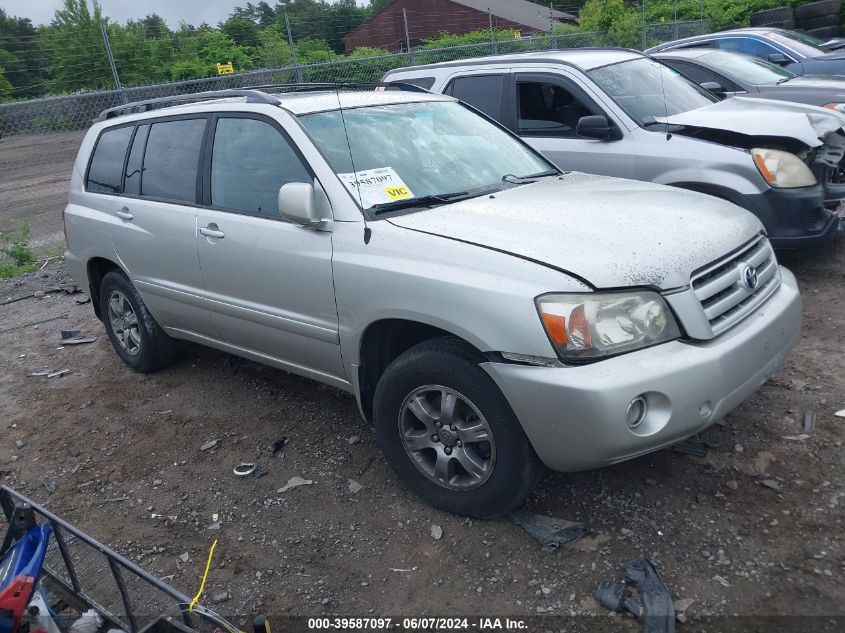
x=521 y=179
x=441 y=198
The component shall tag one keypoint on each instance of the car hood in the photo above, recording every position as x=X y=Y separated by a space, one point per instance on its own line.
x=764 y=117
x=609 y=232
x=833 y=84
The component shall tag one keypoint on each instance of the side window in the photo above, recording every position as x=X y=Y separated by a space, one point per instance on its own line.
x=698 y=74
x=760 y=49
x=107 y=162
x=250 y=161
x=132 y=177
x=171 y=160
x=483 y=92
x=737 y=44
x=422 y=82
x=549 y=110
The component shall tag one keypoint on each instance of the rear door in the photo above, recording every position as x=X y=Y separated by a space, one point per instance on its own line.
x=154 y=220
x=268 y=282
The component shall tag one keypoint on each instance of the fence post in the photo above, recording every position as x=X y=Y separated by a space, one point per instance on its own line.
x=114 y=74
x=408 y=37
x=644 y=27
x=299 y=77
x=553 y=41
x=493 y=47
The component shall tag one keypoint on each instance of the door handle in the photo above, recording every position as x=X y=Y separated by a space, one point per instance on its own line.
x=212 y=231
x=124 y=214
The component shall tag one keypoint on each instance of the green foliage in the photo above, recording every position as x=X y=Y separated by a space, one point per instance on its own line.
x=5 y=86
x=16 y=257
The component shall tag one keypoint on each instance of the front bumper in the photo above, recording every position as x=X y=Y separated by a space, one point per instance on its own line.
x=575 y=416
x=795 y=218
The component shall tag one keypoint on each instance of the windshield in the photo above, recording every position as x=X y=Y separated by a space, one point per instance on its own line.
x=410 y=151
x=803 y=44
x=648 y=90
x=748 y=70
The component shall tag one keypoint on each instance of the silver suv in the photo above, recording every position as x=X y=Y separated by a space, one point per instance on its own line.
x=620 y=113
x=490 y=314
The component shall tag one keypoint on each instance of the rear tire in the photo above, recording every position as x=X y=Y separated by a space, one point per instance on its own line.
x=136 y=337
x=439 y=381
x=769 y=17
x=818 y=9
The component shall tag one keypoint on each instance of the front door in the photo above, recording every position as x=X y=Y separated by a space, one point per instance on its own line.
x=268 y=282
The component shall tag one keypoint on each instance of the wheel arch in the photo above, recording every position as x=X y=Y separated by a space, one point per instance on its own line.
x=97 y=268
x=382 y=342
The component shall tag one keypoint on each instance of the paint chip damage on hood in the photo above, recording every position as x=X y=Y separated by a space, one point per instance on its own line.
x=766 y=118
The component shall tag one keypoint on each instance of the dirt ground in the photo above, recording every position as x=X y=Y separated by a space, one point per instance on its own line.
x=34 y=177
x=117 y=448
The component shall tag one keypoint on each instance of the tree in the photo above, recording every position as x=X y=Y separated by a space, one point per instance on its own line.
x=73 y=44
x=5 y=86
x=20 y=57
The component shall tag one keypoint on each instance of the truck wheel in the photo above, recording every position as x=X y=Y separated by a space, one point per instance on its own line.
x=132 y=330
x=450 y=434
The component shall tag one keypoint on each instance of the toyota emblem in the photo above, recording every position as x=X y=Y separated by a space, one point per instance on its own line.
x=749 y=276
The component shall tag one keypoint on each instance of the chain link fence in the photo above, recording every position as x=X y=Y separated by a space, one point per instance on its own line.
x=77 y=111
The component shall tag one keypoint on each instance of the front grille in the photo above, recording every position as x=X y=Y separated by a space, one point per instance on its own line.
x=723 y=289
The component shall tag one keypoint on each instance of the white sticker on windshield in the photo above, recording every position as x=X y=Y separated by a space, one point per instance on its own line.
x=376 y=186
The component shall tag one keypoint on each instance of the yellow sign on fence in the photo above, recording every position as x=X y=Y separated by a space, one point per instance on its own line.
x=225 y=69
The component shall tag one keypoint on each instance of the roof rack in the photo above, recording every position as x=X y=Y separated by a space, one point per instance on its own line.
x=316 y=87
x=252 y=96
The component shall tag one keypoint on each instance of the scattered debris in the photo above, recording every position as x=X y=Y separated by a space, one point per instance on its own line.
x=770 y=483
x=654 y=602
x=731 y=484
x=403 y=570
x=797 y=438
x=809 y=421
x=74 y=337
x=220 y=597
x=278 y=445
x=58 y=374
x=354 y=486
x=840 y=414
x=293 y=482
x=353 y=440
x=551 y=532
x=244 y=469
x=170 y=517
x=722 y=581
x=214 y=527
x=82 y=302
x=694 y=447
x=184 y=557
x=436 y=532
x=33 y=323
x=50 y=485
x=209 y=445
x=46 y=372
x=115 y=500
x=19 y=443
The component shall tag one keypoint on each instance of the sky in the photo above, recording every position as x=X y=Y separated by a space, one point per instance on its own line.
x=173 y=11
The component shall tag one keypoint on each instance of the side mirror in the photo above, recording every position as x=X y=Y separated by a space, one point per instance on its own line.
x=779 y=59
x=297 y=204
x=714 y=87
x=595 y=127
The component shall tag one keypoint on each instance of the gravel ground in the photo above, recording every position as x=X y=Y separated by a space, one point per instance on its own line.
x=753 y=528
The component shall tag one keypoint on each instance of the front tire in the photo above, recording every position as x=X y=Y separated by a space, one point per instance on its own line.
x=132 y=330
x=450 y=434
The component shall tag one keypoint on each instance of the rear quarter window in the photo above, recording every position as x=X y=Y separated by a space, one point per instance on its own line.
x=107 y=161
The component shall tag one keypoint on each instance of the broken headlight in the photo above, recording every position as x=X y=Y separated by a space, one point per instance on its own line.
x=782 y=169
x=591 y=326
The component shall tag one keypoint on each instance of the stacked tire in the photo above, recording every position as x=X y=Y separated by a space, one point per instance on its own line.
x=780 y=18
x=820 y=19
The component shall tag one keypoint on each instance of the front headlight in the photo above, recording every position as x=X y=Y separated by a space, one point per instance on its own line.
x=591 y=326
x=782 y=169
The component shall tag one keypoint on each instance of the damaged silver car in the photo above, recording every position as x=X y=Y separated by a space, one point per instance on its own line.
x=620 y=113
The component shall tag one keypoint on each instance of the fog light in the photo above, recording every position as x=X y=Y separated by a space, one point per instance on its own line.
x=636 y=411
